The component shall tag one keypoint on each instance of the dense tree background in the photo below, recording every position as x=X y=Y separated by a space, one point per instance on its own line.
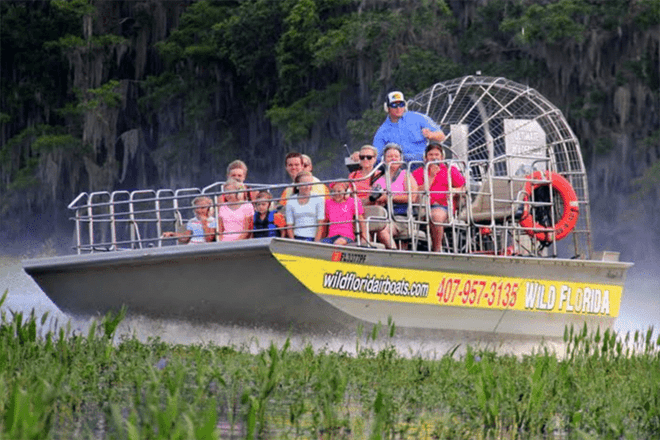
x=103 y=95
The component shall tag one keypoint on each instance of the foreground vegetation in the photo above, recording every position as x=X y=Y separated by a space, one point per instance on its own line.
x=59 y=384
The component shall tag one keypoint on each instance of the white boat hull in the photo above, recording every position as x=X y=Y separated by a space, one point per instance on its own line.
x=235 y=283
x=279 y=283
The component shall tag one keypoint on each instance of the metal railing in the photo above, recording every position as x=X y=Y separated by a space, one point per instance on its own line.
x=482 y=216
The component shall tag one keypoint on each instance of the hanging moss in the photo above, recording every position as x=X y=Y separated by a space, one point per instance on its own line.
x=207 y=81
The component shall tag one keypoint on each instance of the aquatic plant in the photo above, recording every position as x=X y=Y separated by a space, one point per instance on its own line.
x=63 y=383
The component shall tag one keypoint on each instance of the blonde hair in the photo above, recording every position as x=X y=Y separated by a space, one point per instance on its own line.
x=302 y=174
x=237 y=164
x=370 y=147
x=201 y=201
x=235 y=183
x=299 y=177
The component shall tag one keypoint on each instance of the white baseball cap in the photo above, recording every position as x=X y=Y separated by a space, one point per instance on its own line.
x=395 y=97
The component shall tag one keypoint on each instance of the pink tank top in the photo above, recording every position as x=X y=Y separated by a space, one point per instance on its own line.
x=397 y=187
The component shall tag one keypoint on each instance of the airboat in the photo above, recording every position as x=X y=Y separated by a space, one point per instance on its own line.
x=517 y=255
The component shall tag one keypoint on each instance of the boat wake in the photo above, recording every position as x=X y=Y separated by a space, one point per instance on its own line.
x=409 y=343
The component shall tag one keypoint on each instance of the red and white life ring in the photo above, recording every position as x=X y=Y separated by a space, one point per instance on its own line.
x=569 y=199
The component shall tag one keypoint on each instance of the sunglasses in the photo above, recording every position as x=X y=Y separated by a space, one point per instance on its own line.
x=397 y=104
x=366 y=157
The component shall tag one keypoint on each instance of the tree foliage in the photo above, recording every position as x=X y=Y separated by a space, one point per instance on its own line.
x=287 y=54
x=33 y=73
x=255 y=77
x=553 y=22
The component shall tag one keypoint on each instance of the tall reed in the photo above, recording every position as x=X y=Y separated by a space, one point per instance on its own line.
x=65 y=384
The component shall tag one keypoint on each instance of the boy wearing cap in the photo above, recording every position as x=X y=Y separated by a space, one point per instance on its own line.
x=409 y=129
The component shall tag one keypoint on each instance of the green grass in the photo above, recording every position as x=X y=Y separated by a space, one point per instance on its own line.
x=61 y=385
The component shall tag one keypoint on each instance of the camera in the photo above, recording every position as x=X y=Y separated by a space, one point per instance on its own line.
x=376 y=192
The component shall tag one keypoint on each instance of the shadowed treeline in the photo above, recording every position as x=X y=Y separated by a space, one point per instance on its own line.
x=106 y=95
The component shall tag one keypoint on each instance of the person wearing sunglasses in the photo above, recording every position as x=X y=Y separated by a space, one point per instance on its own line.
x=412 y=130
x=362 y=183
x=307 y=163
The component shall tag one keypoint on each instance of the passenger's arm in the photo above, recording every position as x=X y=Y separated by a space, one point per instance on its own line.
x=209 y=232
x=363 y=228
x=320 y=218
x=289 y=232
x=221 y=229
x=319 y=232
x=247 y=228
x=438 y=136
x=289 y=220
x=183 y=237
x=411 y=187
x=458 y=183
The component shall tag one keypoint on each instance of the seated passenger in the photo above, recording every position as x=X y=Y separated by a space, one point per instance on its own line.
x=367 y=157
x=437 y=182
x=237 y=170
x=295 y=163
x=235 y=215
x=307 y=163
x=304 y=212
x=340 y=213
x=401 y=185
x=266 y=221
x=199 y=229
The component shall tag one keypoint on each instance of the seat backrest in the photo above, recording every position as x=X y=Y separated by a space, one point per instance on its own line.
x=504 y=193
x=376 y=218
x=178 y=222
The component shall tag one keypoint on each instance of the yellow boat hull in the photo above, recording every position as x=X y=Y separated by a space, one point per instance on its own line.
x=492 y=294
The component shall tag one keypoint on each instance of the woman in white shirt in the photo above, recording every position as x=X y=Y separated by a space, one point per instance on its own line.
x=305 y=214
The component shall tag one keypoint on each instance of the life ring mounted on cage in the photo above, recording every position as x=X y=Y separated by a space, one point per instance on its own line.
x=539 y=223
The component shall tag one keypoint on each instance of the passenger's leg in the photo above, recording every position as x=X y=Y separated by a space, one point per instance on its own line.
x=438 y=215
x=341 y=241
x=384 y=237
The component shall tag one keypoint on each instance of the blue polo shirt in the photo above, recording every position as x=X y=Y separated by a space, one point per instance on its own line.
x=407 y=132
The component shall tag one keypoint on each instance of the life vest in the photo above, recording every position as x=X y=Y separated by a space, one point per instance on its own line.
x=546 y=232
x=265 y=227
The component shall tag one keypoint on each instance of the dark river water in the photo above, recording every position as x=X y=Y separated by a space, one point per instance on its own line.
x=639 y=310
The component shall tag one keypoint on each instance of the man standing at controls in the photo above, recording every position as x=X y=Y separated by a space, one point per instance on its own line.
x=411 y=130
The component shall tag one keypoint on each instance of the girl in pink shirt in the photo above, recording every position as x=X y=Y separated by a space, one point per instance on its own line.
x=235 y=216
x=340 y=214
